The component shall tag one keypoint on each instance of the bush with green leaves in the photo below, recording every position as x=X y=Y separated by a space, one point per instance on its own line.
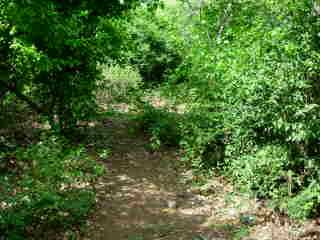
x=151 y=45
x=248 y=61
x=203 y=139
x=117 y=84
x=49 y=184
x=306 y=203
x=265 y=171
x=200 y=137
x=50 y=50
x=160 y=124
x=252 y=69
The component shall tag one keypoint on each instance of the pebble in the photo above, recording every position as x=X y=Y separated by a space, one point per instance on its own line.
x=172 y=203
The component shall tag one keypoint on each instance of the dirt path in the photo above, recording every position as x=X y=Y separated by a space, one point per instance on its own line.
x=146 y=196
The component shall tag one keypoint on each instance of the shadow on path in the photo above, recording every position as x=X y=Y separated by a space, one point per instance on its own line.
x=141 y=196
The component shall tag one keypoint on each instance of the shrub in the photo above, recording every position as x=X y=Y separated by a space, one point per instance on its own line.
x=49 y=53
x=203 y=139
x=253 y=66
x=117 y=83
x=306 y=204
x=48 y=185
x=149 y=46
x=264 y=171
x=162 y=125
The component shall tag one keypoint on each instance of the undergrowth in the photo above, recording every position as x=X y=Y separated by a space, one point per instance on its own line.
x=46 y=186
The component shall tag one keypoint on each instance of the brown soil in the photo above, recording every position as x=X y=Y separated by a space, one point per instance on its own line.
x=149 y=196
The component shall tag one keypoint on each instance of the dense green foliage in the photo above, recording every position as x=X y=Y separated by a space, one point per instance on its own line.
x=160 y=124
x=248 y=78
x=50 y=50
x=263 y=80
x=117 y=84
x=147 y=45
x=241 y=77
x=44 y=186
x=49 y=57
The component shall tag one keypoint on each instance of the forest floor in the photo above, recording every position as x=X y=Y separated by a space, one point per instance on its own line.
x=148 y=195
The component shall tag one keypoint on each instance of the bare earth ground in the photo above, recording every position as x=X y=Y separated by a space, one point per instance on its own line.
x=147 y=196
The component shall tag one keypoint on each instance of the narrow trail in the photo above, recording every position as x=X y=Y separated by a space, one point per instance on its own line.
x=147 y=196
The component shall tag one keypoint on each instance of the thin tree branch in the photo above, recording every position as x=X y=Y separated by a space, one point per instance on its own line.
x=225 y=21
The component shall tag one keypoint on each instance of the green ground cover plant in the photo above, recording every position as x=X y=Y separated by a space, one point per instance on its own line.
x=49 y=184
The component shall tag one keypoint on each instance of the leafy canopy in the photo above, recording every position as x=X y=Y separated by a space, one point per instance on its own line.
x=49 y=52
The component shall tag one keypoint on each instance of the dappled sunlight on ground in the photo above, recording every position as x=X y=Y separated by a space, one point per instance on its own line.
x=147 y=196
x=141 y=195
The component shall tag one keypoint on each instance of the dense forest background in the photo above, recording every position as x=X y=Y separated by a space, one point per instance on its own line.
x=240 y=80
